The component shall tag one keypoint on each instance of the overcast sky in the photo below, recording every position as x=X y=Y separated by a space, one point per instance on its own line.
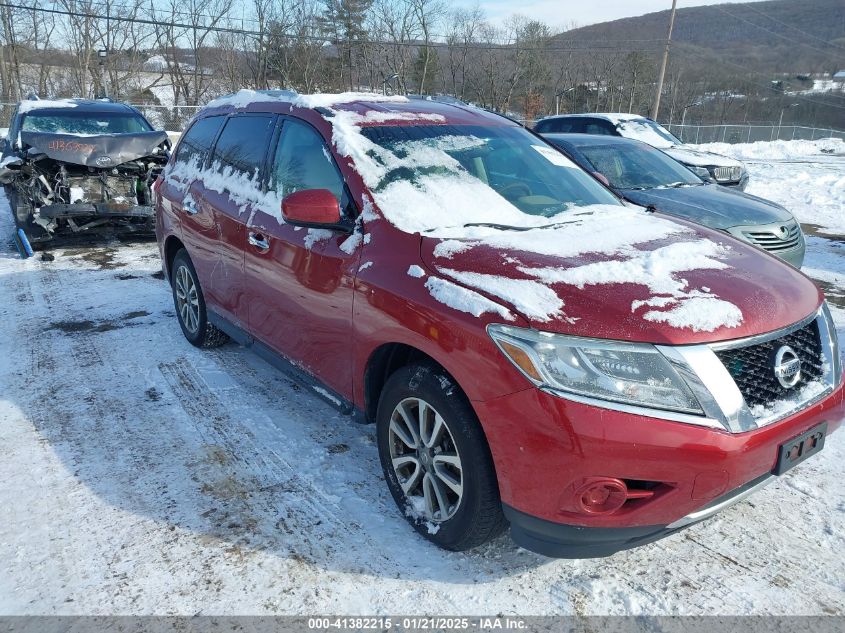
x=564 y=12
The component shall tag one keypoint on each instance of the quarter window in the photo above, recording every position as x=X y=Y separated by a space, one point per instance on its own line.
x=197 y=140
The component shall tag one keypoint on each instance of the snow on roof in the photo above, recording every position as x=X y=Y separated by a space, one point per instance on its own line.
x=245 y=97
x=38 y=104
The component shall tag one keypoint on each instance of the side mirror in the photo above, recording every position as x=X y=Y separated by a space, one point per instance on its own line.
x=602 y=178
x=311 y=207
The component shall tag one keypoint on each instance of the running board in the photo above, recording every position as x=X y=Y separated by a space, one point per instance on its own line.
x=268 y=354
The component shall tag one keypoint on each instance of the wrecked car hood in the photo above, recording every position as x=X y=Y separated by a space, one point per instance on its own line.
x=102 y=150
x=628 y=282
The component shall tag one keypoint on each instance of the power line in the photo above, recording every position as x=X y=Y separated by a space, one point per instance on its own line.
x=763 y=28
x=761 y=84
x=794 y=28
x=224 y=29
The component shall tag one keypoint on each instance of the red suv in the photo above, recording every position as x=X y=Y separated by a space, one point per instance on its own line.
x=533 y=352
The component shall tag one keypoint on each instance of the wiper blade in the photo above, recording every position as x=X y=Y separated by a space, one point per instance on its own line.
x=501 y=227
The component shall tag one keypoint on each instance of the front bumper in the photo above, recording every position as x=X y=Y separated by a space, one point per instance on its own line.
x=568 y=541
x=543 y=446
x=62 y=221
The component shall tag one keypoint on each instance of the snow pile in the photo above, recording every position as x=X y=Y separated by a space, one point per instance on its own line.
x=416 y=271
x=464 y=299
x=672 y=301
x=812 y=186
x=777 y=150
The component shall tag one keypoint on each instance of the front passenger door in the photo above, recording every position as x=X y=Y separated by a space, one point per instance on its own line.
x=300 y=281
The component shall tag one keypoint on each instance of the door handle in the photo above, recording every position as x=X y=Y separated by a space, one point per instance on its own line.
x=190 y=207
x=259 y=241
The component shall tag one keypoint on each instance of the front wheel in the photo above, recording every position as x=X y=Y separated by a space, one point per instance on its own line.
x=190 y=304
x=436 y=460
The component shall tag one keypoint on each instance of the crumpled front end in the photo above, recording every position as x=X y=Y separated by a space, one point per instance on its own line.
x=62 y=186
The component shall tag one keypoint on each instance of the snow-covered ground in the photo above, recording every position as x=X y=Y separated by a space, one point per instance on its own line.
x=141 y=475
x=807 y=177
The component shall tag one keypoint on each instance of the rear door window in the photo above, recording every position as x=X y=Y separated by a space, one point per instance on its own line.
x=242 y=145
x=196 y=142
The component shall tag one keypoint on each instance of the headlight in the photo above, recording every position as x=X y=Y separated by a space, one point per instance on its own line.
x=630 y=373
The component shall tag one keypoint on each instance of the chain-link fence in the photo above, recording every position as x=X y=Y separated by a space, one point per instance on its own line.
x=750 y=133
x=171 y=118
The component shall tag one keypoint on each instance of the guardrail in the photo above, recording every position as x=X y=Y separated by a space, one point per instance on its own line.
x=750 y=133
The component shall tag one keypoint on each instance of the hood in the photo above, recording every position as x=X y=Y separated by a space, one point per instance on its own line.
x=687 y=155
x=103 y=150
x=695 y=286
x=712 y=205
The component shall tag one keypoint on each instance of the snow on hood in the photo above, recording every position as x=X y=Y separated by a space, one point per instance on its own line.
x=595 y=246
x=690 y=156
x=691 y=285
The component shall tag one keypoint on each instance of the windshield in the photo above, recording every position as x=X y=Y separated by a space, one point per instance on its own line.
x=637 y=166
x=647 y=131
x=84 y=123
x=478 y=170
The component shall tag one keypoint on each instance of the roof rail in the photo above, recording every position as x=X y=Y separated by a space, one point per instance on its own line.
x=504 y=116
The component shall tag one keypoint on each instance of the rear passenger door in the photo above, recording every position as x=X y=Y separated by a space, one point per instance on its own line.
x=176 y=195
x=231 y=191
x=301 y=280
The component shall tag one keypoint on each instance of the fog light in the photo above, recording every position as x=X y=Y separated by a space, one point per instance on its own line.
x=601 y=495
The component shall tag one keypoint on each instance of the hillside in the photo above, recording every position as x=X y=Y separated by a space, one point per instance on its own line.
x=777 y=36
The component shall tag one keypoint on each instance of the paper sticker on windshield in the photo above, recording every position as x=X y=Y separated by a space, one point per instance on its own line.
x=554 y=157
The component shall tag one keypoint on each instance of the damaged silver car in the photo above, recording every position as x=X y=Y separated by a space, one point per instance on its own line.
x=75 y=168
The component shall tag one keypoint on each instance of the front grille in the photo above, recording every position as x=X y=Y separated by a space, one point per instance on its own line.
x=782 y=238
x=752 y=367
x=727 y=174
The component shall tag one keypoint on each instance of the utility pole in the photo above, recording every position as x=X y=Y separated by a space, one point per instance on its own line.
x=655 y=106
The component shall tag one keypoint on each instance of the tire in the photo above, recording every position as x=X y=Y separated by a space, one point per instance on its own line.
x=191 y=312
x=470 y=518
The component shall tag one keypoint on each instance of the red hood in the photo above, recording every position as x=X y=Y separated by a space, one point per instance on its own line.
x=769 y=293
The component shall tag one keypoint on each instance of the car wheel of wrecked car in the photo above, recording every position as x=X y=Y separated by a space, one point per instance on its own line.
x=190 y=304
x=436 y=460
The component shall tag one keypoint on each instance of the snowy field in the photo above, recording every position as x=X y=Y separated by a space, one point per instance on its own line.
x=143 y=476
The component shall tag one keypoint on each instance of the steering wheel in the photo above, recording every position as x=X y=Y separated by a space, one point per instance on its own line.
x=514 y=187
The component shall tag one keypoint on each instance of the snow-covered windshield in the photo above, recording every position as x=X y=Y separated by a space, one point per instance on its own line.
x=457 y=174
x=647 y=131
x=83 y=123
x=637 y=166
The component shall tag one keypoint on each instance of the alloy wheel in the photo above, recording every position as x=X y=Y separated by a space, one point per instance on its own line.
x=425 y=460
x=187 y=301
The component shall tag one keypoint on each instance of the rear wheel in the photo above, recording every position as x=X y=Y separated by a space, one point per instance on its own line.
x=190 y=304
x=436 y=460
